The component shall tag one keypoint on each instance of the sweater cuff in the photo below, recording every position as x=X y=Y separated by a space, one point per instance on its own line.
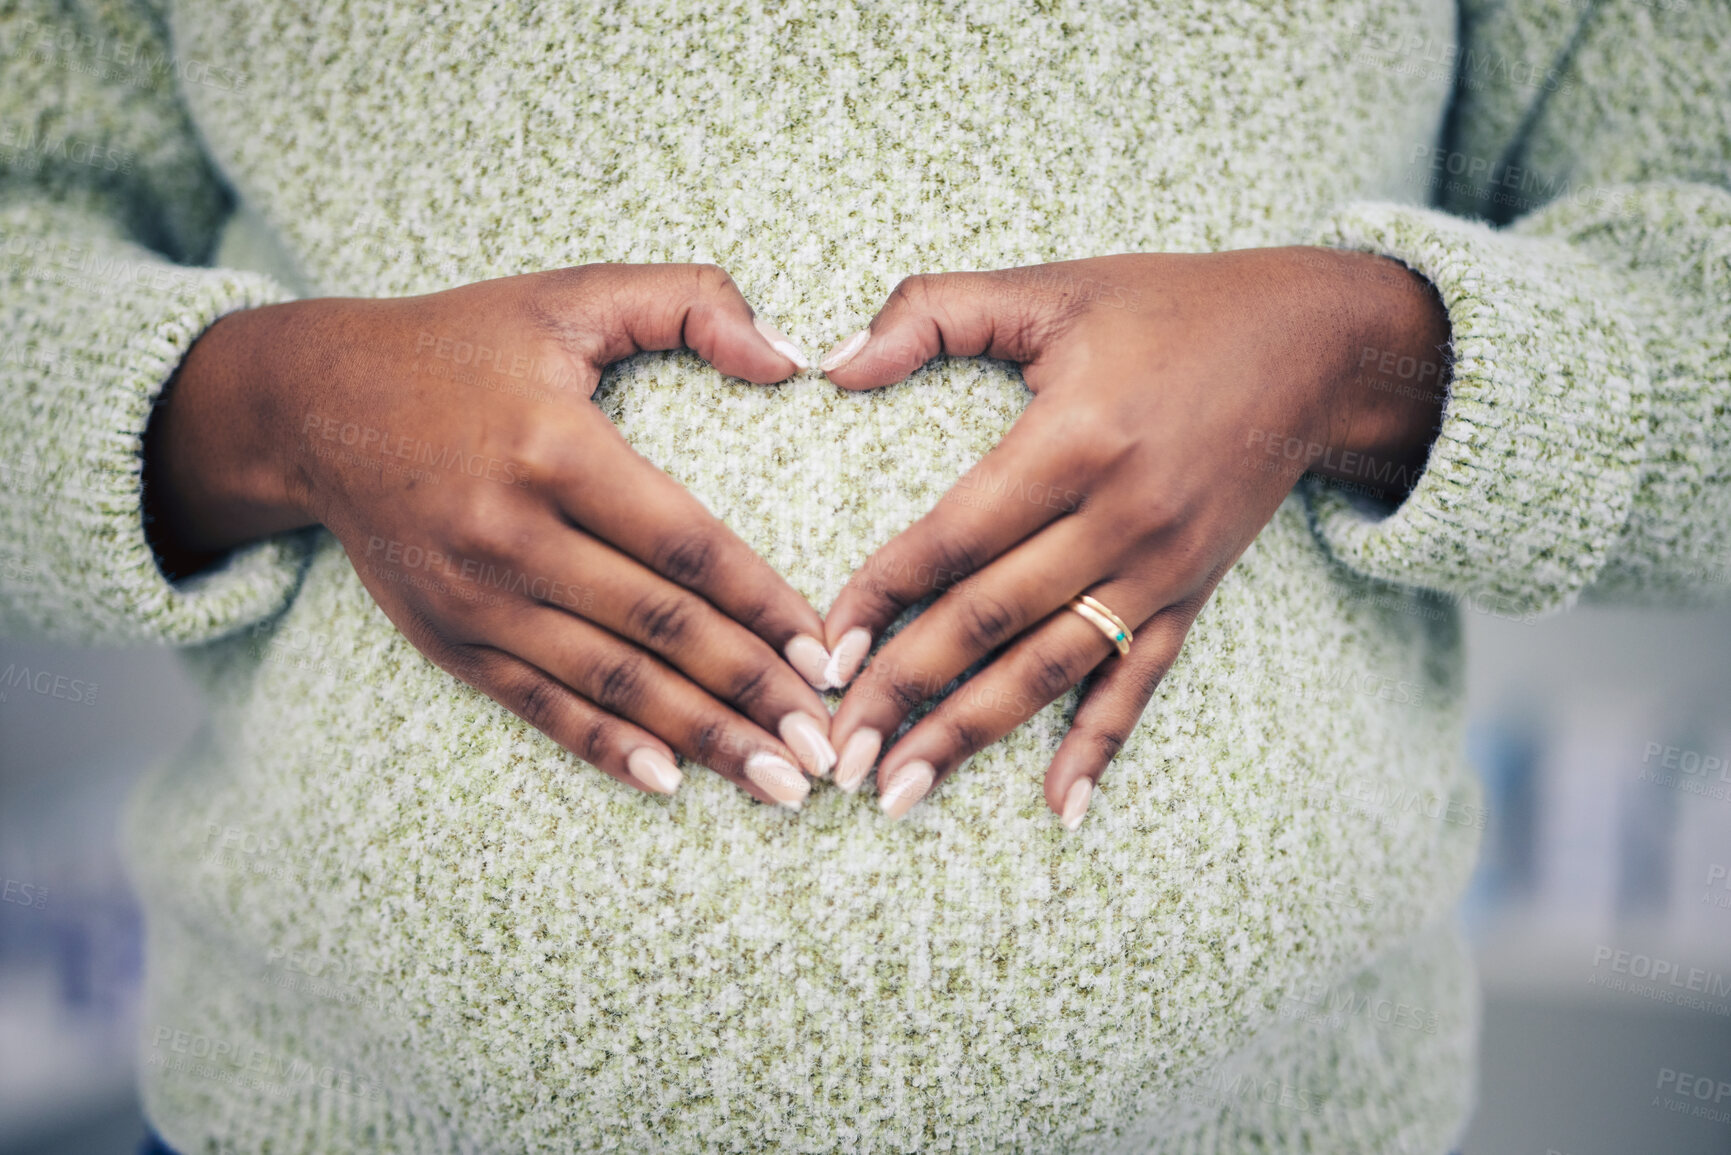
x=1535 y=466
x=85 y=570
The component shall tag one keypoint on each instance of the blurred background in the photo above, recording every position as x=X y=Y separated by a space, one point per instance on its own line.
x=1601 y=911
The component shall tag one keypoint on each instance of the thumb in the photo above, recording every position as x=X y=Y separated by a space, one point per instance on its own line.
x=698 y=307
x=992 y=314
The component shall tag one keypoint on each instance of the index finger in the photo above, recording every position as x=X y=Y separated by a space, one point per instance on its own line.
x=619 y=496
x=1015 y=490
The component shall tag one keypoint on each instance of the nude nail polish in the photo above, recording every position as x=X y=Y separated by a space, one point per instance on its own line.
x=779 y=778
x=910 y=784
x=780 y=343
x=844 y=663
x=807 y=655
x=805 y=737
x=844 y=352
x=654 y=769
x=1076 y=802
x=857 y=756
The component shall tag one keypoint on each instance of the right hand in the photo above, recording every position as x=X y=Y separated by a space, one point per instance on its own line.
x=518 y=541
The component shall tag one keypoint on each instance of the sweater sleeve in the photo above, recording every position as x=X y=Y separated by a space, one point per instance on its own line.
x=1586 y=441
x=107 y=203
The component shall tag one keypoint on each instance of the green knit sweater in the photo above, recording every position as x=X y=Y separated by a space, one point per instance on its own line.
x=385 y=915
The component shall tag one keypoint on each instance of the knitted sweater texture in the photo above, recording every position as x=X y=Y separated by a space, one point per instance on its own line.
x=385 y=915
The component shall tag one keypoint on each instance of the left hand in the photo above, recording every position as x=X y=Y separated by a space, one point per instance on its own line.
x=1169 y=392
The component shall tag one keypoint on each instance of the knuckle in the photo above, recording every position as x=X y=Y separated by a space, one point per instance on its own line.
x=914 y=291
x=897 y=579
x=598 y=739
x=1042 y=323
x=707 y=739
x=1153 y=534
x=547 y=452
x=712 y=285
x=965 y=736
x=687 y=558
x=621 y=687
x=483 y=529
x=1149 y=677
x=537 y=701
x=471 y=664
x=885 y=603
x=1163 y=514
x=1034 y=309
x=661 y=621
x=986 y=621
x=433 y=639
x=895 y=685
x=711 y=275
x=1051 y=676
x=876 y=584
x=906 y=690
x=751 y=614
x=568 y=275
x=570 y=307
x=1090 y=435
x=953 y=560
x=750 y=686
x=558 y=283
x=1106 y=742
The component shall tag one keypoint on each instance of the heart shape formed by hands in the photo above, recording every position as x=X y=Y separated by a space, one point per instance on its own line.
x=509 y=528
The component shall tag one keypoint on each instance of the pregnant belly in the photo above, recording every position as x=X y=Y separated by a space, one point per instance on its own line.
x=543 y=951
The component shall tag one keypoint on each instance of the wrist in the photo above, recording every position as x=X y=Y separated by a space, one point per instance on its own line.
x=1385 y=395
x=216 y=471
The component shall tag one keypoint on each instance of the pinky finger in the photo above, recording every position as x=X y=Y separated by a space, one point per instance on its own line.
x=610 y=743
x=1110 y=709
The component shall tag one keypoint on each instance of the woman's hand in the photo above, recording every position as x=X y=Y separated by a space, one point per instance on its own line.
x=1169 y=394
x=497 y=516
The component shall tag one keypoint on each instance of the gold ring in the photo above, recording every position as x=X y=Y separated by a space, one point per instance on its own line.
x=1105 y=621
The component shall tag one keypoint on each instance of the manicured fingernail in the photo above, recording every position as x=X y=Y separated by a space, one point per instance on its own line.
x=807 y=655
x=804 y=736
x=779 y=342
x=654 y=769
x=844 y=352
x=911 y=783
x=1076 y=802
x=857 y=756
x=849 y=653
x=780 y=778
